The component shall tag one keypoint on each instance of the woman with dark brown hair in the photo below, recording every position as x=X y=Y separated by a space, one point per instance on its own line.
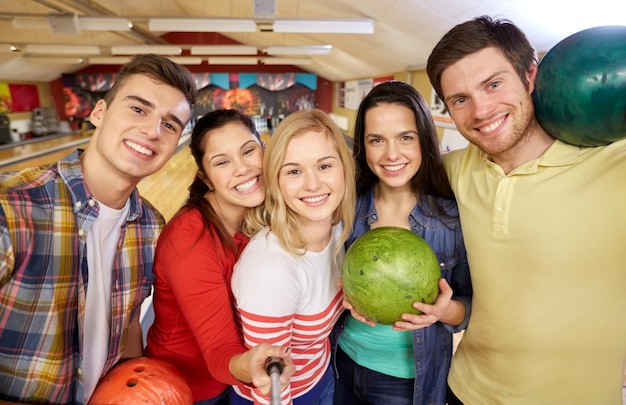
x=401 y=182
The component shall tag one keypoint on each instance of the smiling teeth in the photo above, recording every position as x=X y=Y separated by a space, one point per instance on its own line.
x=394 y=168
x=315 y=199
x=247 y=185
x=492 y=127
x=139 y=148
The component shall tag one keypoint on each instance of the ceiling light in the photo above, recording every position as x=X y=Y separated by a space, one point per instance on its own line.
x=30 y=23
x=359 y=26
x=145 y=49
x=62 y=49
x=223 y=50
x=72 y=23
x=232 y=60
x=299 y=50
x=185 y=60
x=104 y=24
x=122 y=60
x=287 y=61
x=55 y=61
x=201 y=25
x=109 y=60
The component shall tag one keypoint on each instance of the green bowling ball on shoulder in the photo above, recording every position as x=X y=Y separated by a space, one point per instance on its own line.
x=580 y=89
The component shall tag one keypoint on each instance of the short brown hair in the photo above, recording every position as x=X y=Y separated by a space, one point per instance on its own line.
x=475 y=35
x=160 y=69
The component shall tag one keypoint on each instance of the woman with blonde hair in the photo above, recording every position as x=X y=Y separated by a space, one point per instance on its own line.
x=285 y=282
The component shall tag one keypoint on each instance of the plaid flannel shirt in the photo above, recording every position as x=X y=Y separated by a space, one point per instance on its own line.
x=45 y=214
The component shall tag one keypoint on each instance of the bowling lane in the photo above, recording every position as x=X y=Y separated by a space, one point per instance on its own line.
x=40 y=151
x=166 y=189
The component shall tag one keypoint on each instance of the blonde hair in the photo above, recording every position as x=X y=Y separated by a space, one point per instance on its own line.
x=274 y=212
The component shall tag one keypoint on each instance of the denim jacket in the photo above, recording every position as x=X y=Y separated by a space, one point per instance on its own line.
x=432 y=345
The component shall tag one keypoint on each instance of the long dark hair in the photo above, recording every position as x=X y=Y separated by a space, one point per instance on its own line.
x=431 y=179
x=198 y=188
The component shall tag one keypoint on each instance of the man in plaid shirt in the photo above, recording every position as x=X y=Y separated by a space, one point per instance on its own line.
x=77 y=241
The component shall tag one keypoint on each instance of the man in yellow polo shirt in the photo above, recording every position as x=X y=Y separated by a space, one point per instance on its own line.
x=544 y=224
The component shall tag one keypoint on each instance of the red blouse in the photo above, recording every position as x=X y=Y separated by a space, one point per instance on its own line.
x=194 y=326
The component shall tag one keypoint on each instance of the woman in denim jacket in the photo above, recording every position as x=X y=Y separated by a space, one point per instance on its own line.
x=401 y=182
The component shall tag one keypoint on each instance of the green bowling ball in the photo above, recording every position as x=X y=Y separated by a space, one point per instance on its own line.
x=580 y=89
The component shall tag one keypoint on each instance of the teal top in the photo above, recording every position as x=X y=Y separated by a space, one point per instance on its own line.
x=379 y=348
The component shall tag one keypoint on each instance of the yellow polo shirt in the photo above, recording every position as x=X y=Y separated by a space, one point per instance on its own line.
x=546 y=246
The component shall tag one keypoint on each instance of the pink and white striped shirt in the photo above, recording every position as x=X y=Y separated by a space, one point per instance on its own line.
x=291 y=301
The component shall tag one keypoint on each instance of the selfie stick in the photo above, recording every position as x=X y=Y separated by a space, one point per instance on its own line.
x=274 y=367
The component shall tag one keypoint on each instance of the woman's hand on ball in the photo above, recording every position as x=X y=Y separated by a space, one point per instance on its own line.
x=430 y=313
